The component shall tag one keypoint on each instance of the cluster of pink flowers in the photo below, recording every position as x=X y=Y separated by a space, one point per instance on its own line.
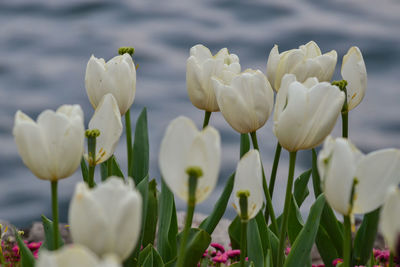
x=216 y=255
x=11 y=252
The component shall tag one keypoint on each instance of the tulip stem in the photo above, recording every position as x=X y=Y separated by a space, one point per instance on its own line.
x=54 y=205
x=391 y=259
x=91 y=136
x=345 y=124
x=269 y=211
x=347 y=242
x=345 y=108
x=288 y=198
x=207 y=116
x=278 y=150
x=128 y=132
x=243 y=243
x=189 y=217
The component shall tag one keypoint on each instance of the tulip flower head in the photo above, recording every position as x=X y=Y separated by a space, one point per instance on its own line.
x=51 y=147
x=355 y=73
x=390 y=222
x=305 y=62
x=185 y=148
x=305 y=113
x=200 y=67
x=106 y=219
x=354 y=182
x=246 y=101
x=117 y=76
x=248 y=178
x=107 y=120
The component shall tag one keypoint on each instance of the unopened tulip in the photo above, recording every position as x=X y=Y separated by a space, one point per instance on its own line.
x=305 y=62
x=107 y=120
x=305 y=113
x=106 y=219
x=355 y=73
x=390 y=221
x=117 y=76
x=74 y=255
x=52 y=147
x=248 y=178
x=341 y=166
x=184 y=147
x=246 y=101
x=200 y=67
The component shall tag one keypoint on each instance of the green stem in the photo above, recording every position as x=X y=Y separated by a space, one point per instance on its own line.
x=92 y=160
x=391 y=259
x=207 y=116
x=189 y=219
x=345 y=125
x=347 y=242
x=128 y=133
x=54 y=206
x=269 y=211
x=288 y=198
x=243 y=243
x=278 y=150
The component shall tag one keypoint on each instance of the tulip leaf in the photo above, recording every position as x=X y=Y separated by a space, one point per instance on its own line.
x=295 y=221
x=149 y=257
x=300 y=187
x=48 y=234
x=212 y=220
x=325 y=246
x=244 y=144
x=365 y=238
x=234 y=231
x=140 y=152
x=114 y=171
x=273 y=239
x=315 y=175
x=198 y=242
x=166 y=239
x=263 y=231
x=254 y=246
x=84 y=170
x=27 y=258
x=301 y=249
x=152 y=214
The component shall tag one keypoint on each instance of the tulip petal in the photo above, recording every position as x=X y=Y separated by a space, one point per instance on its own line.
x=272 y=65
x=310 y=49
x=201 y=53
x=390 y=222
x=73 y=255
x=376 y=173
x=107 y=120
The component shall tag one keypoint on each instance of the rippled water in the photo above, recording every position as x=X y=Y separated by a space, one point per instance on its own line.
x=45 y=45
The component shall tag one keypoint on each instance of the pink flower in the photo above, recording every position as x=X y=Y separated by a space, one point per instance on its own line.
x=336 y=261
x=287 y=251
x=233 y=253
x=218 y=246
x=221 y=257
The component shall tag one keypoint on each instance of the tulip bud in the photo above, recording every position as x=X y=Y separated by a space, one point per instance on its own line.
x=355 y=73
x=117 y=76
x=184 y=147
x=305 y=62
x=52 y=147
x=200 y=67
x=344 y=168
x=390 y=221
x=246 y=101
x=305 y=113
x=74 y=255
x=106 y=219
x=248 y=182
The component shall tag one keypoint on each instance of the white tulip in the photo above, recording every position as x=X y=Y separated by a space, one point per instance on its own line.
x=200 y=67
x=305 y=113
x=117 y=76
x=355 y=73
x=341 y=164
x=305 y=62
x=183 y=146
x=52 y=147
x=107 y=120
x=390 y=222
x=106 y=219
x=246 y=102
x=248 y=177
x=74 y=255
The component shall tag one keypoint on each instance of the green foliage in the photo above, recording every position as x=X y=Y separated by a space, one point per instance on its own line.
x=149 y=257
x=140 y=152
x=48 y=234
x=150 y=224
x=255 y=250
x=114 y=170
x=27 y=258
x=244 y=144
x=198 y=242
x=234 y=232
x=84 y=170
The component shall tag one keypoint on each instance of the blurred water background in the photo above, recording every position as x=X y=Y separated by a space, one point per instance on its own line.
x=45 y=45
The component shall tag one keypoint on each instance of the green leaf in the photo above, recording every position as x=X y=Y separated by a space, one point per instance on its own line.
x=27 y=258
x=234 y=231
x=263 y=231
x=300 y=187
x=115 y=169
x=198 y=242
x=149 y=257
x=365 y=238
x=254 y=246
x=325 y=246
x=48 y=234
x=301 y=249
x=295 y=221
x=315 y=175
x=166 y=238
x=274 y=244
x=84 y=170
x=152 y=215
x=244 y=144
x=140 y=152
x=212 y=220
